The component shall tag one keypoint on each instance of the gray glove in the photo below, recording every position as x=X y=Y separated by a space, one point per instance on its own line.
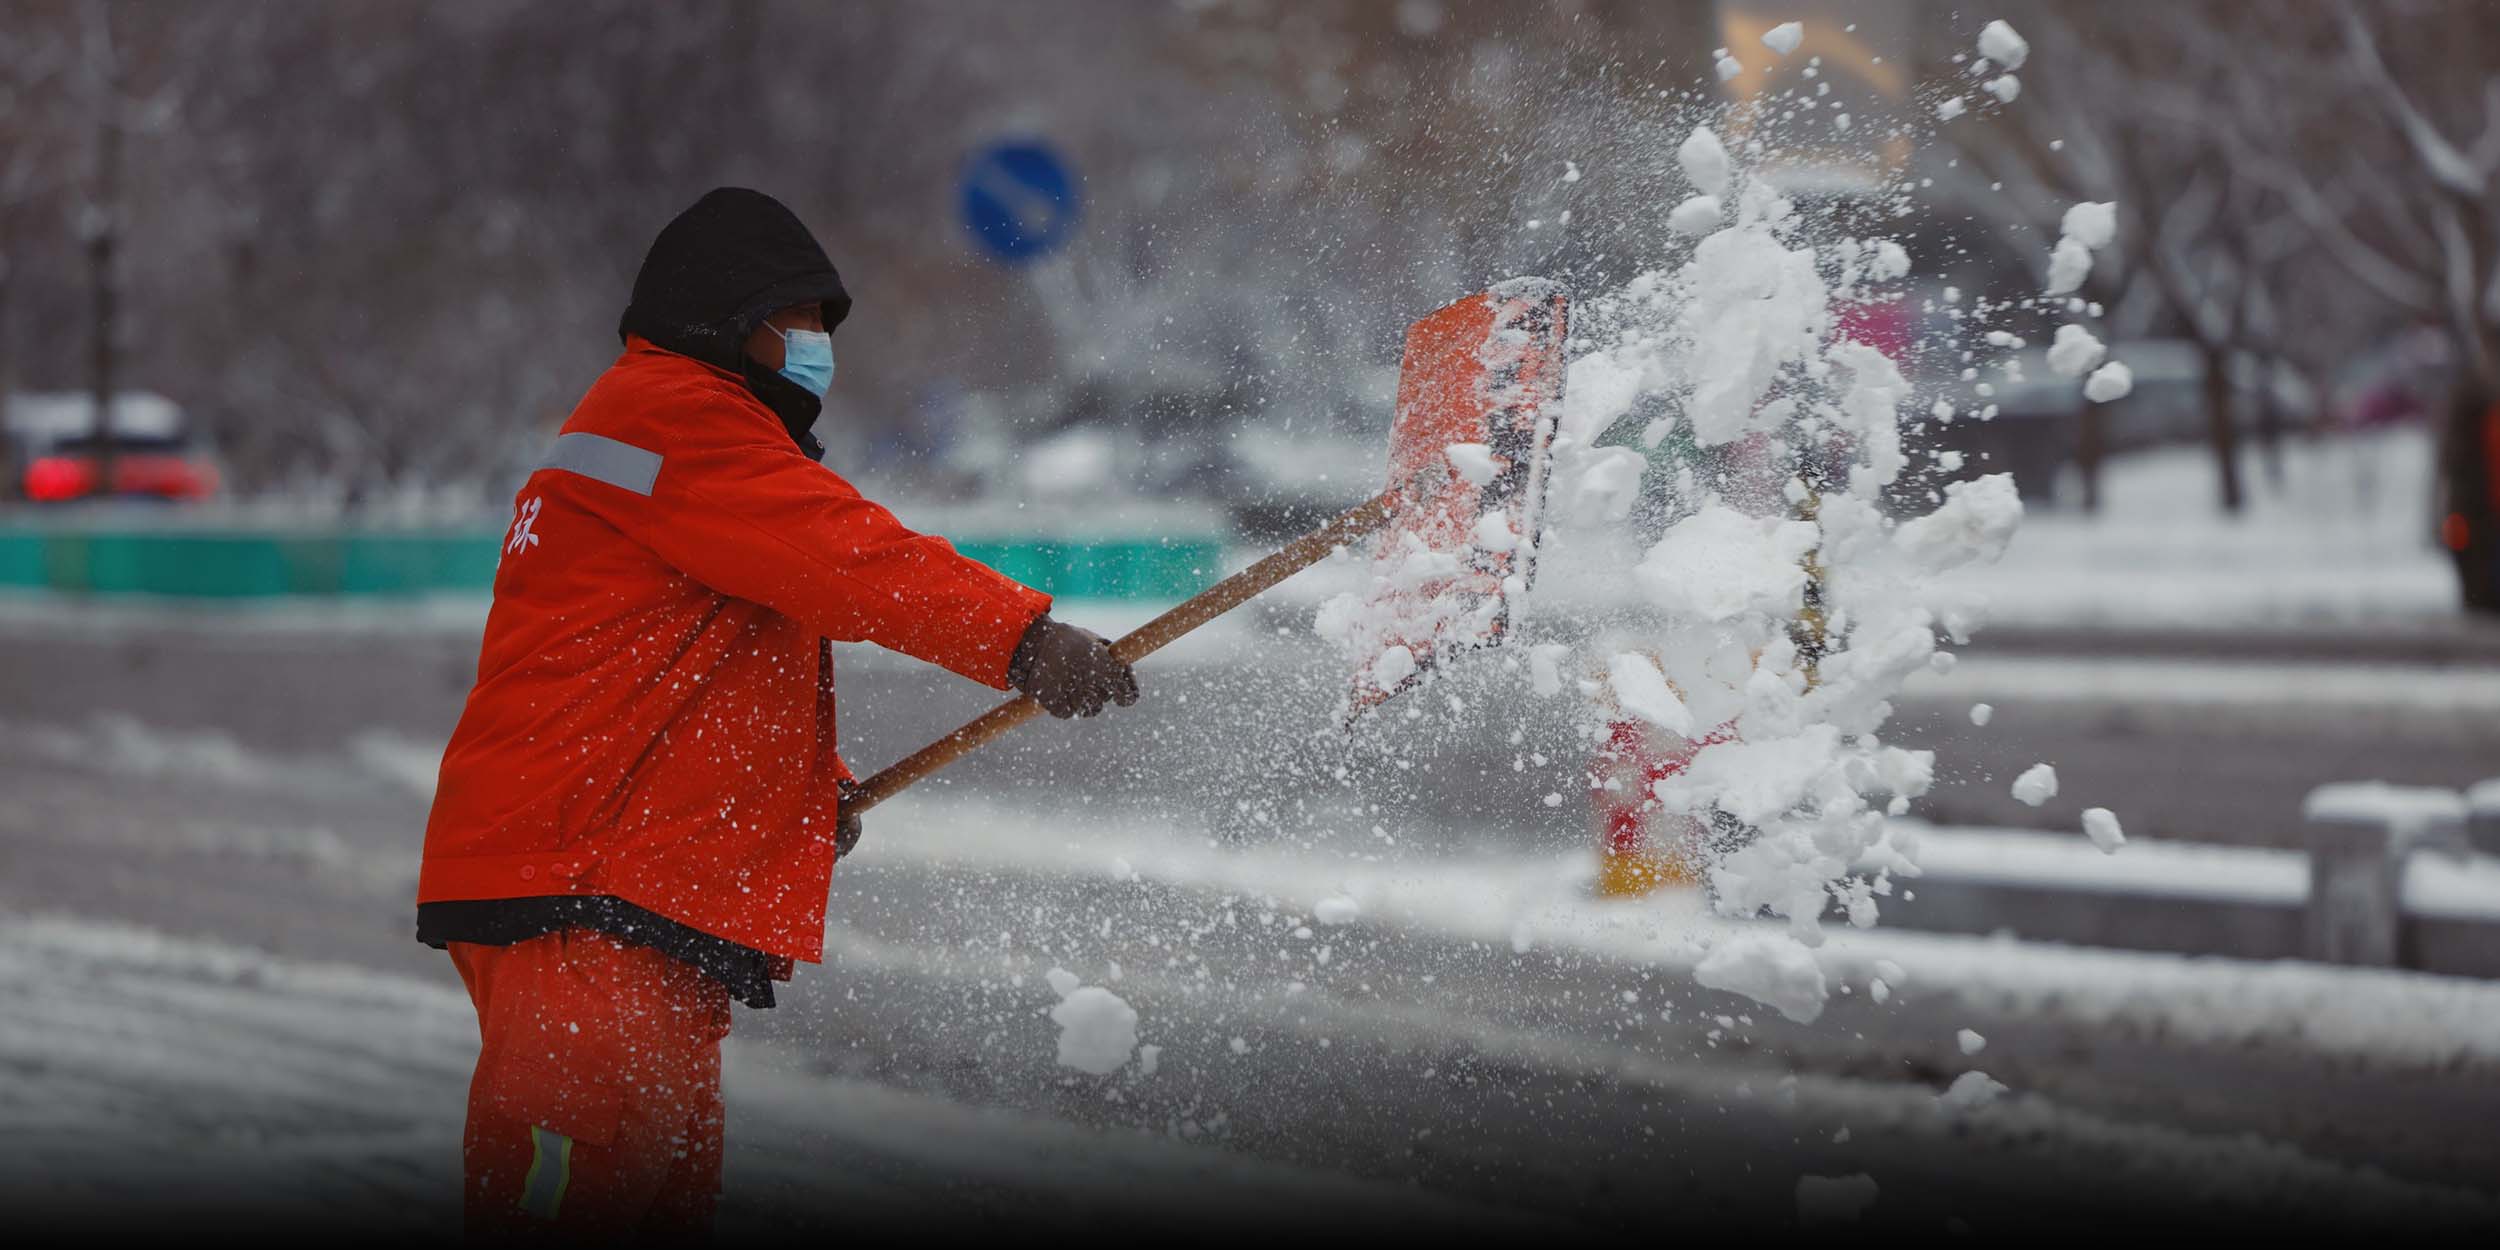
x=1069 y=671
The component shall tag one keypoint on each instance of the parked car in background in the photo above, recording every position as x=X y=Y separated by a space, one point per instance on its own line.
x=2042 y=422
x=56 y=451
x=2407 y=378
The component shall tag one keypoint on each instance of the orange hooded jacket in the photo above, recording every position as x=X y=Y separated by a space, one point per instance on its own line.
x=653 y=717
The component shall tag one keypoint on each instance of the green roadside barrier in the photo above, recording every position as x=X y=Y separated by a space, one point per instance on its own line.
x=1105 y=568
x=222 y=563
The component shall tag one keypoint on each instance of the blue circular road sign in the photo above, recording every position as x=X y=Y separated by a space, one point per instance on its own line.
x=1018 y=200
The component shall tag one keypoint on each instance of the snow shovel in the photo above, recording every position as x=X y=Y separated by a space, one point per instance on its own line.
x=1478 y=392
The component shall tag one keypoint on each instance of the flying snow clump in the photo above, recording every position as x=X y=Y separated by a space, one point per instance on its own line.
x=1395 y=665
x=1999 y=43
x=2111 y=381
x=1698 y=215
x=2101 y=825
x=1719 y=564
x=1643 y=691
x=2074 y=352
x=1974 y=525
x=2070 y=262
x=1097 y=1028
x=1784 y=37
x=2037 y=785
x=1474 y=461
x=2092 y=225
x=1776 y=971
x=2086 y=228
x=1704 y=160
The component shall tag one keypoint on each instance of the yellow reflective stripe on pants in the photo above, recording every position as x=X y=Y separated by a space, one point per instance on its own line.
x=551 y=1169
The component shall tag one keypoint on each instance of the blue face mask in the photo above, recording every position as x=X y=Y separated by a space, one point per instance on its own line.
x=807 y=359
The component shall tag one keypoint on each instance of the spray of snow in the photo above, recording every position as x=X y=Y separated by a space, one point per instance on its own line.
x=1795 y=570
x=1741 y=344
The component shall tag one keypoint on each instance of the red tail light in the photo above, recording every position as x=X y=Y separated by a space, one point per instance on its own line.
x=52 y=479
x=55 y=479
x=2455 y=531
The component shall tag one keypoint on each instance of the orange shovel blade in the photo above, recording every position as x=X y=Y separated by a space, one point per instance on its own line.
x=1478 y=393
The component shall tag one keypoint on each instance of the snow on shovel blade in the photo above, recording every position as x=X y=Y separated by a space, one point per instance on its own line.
x=1478 y=393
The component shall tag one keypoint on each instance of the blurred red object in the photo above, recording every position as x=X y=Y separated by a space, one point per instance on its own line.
x=1884 y=325
x=155 y=475
x=1640 y=845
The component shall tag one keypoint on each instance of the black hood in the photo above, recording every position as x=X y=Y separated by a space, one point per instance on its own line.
x=716 y=271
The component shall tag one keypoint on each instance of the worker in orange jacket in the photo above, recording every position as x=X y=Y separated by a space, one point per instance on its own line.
x=641 y=808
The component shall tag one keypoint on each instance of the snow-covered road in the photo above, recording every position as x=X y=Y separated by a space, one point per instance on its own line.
x=151 y=1076
x=214 y=1003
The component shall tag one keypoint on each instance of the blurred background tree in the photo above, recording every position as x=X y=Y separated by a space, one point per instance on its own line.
x=376 y=248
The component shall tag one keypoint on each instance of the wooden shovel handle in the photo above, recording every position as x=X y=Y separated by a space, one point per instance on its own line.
x=1145 y=640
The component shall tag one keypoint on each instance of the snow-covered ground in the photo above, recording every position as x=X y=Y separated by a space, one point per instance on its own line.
x=152 y=1074
x=2347 y=538
x=152 y=1059
x=1532 y=900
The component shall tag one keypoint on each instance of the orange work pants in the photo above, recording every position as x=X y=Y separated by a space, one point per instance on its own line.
x=595 y=1112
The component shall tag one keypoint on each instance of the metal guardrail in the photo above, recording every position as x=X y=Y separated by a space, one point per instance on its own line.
x=2362 y=837
x=2392 y=877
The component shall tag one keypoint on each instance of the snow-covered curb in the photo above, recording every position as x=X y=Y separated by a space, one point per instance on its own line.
x=1525 y=901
